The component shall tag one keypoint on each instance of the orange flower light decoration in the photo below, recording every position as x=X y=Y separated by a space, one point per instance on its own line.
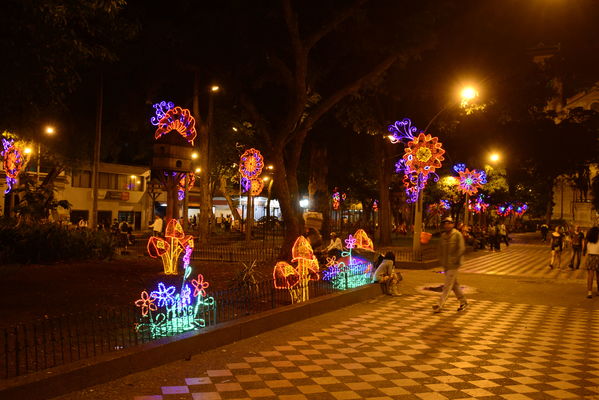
x=424 y=154
x=169 y=248
x=363 y=241
x=296 y=279
x=471 y=181
x=177 y=119
x=256 y=186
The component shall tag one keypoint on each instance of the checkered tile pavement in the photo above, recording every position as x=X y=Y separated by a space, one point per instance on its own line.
x=400 y=350
x=529 y=260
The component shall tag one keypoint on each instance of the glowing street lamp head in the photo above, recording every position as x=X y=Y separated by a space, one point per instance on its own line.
x=214 y=88
x=468 y=93
x=50 y=130
x=270 y=167
x=194 y=155
x=198 y=170
x=494 y=157
x=27 y=150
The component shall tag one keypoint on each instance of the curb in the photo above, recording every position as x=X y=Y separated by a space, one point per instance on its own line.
x=104 y=368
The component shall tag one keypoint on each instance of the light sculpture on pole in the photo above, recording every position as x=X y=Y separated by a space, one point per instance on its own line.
x=469 y=183
x=423 y=155
x=14 y=160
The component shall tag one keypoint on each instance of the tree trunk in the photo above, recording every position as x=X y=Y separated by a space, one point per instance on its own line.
x=203 y=130
x=225 y=192
x=289 y=212
x=317 y=186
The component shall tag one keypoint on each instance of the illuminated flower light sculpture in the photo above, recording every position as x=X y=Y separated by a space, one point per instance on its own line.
x=439 y=208
x=251 y=164
x=170 y=118
x=520 y=209
x=470 y=181
x=169 y=248
x=336 y=200
x=423 y=154
x=478 y=205
x=181 y=190
x=504 y=209
x=256 y=186
x=296 y=279
x=165 y=312
x=13 y=162
x=363 y=241
x=349 y=271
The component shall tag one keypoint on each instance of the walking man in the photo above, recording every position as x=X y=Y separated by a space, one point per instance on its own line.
x=577 y=239
x=451 y=252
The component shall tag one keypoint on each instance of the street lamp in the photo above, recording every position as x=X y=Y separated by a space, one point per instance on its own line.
x=467 y=93
x=194 y=155
x=494 y=157
x=214 y=88
x=49 y=130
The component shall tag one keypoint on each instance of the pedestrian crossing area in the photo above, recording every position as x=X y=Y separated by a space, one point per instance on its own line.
x=395 y=348
x=527 y=260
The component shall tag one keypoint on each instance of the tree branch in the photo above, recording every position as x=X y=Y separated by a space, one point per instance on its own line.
x=336 y=97
x=258 y=118
x=327 y=28
x=300 y=58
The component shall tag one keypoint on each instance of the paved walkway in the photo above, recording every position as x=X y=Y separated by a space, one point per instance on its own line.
x=525 y=257
x=529 y=333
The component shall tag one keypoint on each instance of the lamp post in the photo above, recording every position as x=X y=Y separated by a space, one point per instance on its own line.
x=466 y=94
x=49 y=131
x=270 y=180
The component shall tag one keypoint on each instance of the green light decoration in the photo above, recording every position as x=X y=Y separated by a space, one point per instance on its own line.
x=349 y=271
x=166 y=313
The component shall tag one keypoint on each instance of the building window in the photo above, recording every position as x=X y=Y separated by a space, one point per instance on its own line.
x=82 y=178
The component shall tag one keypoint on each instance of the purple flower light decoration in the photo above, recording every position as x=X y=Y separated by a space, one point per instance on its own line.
x=350 y=242
x=164 y=295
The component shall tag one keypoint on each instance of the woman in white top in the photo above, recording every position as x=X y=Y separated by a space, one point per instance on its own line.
x=591 y=247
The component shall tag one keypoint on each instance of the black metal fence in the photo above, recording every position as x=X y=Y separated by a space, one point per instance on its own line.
x=47 y=343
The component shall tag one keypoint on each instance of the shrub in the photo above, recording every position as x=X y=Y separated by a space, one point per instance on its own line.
x=50 y=243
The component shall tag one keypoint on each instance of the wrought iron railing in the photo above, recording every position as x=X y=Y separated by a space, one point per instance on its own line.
x=42 y=344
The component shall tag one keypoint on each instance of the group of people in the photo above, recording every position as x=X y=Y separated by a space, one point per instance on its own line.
x=481 y=237
x=580 y=245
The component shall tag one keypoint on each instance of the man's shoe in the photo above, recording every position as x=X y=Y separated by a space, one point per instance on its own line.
x=463 y=306
x=436 y=309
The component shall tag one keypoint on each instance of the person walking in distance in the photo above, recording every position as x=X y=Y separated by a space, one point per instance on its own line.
x=591 y=248
x=576 y=241
x=157 y=226
x=451 y=252
x=544 y=232
x=557 y=244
